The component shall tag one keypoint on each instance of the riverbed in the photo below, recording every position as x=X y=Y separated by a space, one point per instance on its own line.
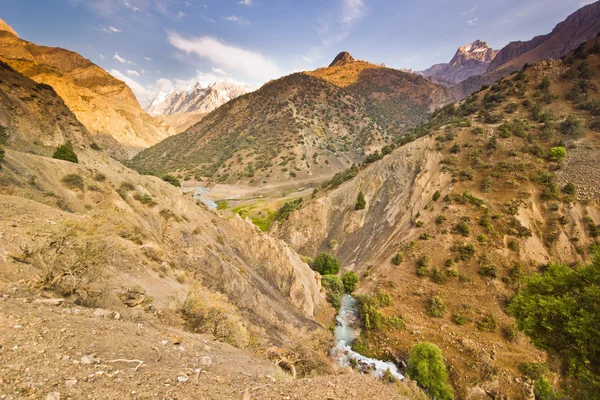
x=346 y=331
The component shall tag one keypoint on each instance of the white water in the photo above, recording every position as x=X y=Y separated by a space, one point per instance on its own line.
x=345 y=333
x=200 y=193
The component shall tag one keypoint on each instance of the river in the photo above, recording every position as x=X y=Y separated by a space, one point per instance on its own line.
x=346 y=331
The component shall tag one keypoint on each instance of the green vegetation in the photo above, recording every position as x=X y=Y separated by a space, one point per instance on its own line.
x=436 y=195
x=436 y=307
x=334 y=288
x=222 y=205
x=397 y=259
x=488 y=323
x=426 y=366
x=284 y=212
x=172 y=180
x=459 y=319
x=350 y=281
x=557 y=154
x=65 y=152
x=73 y=182
x=361 y=203
x=1 y=155
x=326 y=264
x=559 y=310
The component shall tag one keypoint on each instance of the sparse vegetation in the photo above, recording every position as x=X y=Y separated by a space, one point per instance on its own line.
x=65 y=152
x=73 y=182
x=172 y=180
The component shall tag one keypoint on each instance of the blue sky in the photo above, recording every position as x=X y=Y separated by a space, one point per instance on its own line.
x=164 y=44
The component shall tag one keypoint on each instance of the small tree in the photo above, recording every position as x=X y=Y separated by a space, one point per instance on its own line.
x=360 y=202
x=397 y=259
x=172 y=180
x=557 y=154
x=436 y=307
x=546 y=83
x=65 y=152
x=426 y=366
x=326 y=264
x=350 y=281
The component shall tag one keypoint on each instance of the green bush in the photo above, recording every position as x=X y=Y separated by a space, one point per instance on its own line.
x=65 y=152
x=371 y=317
x=543 y=390
x=557 y=154
x=571 y=126
x=350 y=281
x=73 y=181
x=489 y=323
x=397 y=259
x=426 y=366
x=332 y=283
x=533 y=370
x=546 y=83
x=569 y=188
x=436 y=195
x=360 y=202
x=459 y=319
x=326 y=264
x=559 y=310
x=172 y=180
x=436 y=307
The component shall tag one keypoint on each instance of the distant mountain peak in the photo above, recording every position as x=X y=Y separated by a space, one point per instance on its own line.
x=6 y=27
x=477 y=50
x=343 y=58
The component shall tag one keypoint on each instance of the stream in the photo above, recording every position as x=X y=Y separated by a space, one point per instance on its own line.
x=346 y=331
x=200 y=193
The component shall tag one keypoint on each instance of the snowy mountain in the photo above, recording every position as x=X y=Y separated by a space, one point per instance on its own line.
x=469 y=60
x=196 y=98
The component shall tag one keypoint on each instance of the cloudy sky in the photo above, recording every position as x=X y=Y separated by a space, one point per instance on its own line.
x=164 y=44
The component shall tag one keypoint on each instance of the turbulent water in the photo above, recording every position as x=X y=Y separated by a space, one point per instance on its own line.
x=200 y=194
x=346 y=332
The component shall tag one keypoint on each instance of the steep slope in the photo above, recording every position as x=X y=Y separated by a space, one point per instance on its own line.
x=105 y=106
x=305 y=126
x=581 y=26
x=472 y=59
x=478 y=201
x=196 y=98
x=33 y=117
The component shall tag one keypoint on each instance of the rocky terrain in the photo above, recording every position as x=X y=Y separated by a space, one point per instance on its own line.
x=472 y=59
x=104 y=105
x=579 y=27
x=463 y=210
x=302 y=126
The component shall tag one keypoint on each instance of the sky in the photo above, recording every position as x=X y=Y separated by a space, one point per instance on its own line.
x=161 y=45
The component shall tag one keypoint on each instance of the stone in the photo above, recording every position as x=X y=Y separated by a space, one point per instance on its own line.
x=53 y=396
x=70 y=382
x=101 y=313
x=50 y=302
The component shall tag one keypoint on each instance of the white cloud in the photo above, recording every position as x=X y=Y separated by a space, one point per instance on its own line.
x=180 y=15
x=472 y=21
x=143 y=94
x=132 y=72
x=102 y=57
x=469 y=11
x=334 y=29
x=113 y=29
x=122 y=60
x=233 y=18
x=233 y=58
x=219 y=71
x=352 y=11
x=147 y=58
x=246 y=2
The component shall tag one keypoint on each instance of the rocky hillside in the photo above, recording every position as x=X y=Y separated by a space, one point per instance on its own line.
x=453 y=220
x=472 y=59
x=105 y=106
x=581 y=26
x=196 y=99
x=33 y=117
x=305 y=126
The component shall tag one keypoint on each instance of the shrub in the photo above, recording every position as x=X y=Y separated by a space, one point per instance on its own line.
x=557 y=154
x=569 y=188
x=459 y=319
x=546 y=83
x=438 y=276
x=560 y=307
x=360 y=202
x=1 y=155
x=371 y=317
x=426 y=366
x=510 y=332
x=332 y=283
x=94 y=146
x=73 y=181
x=65 y=152
x=436 y=195
x=100 y=177
x=383 y=298
x=172 y=180
x=350 y=281
x=571 y=126
x=436 y=307
x=396 y=323
x=488 y=323
x=462 y=228
x=326 y=264
x=533 y=370
x=543 y=390
x=397 y=259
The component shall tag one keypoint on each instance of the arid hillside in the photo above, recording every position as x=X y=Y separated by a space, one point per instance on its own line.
x=105 y=105
x=493 y=189
x=302 y=126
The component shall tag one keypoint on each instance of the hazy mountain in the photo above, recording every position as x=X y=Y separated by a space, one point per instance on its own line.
x=581 y=26
x=196 y=98
x=469 y=60
x=304 y=126
x=105 y=105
